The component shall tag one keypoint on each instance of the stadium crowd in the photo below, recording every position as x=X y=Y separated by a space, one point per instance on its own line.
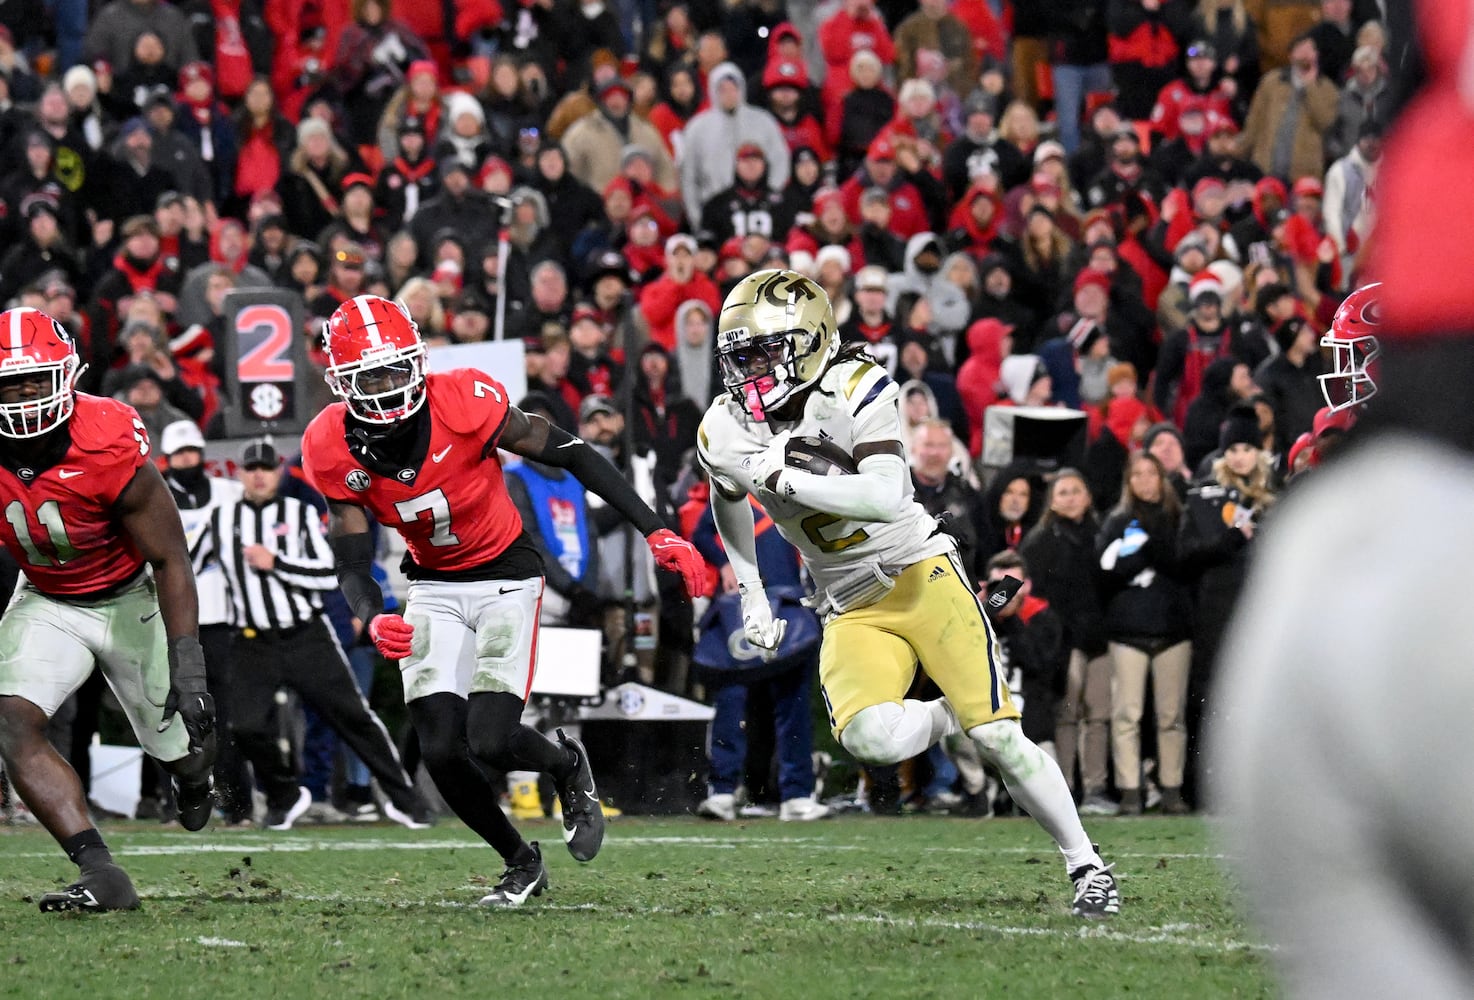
x=1145 y=210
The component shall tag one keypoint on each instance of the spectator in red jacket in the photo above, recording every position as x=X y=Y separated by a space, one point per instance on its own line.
x=989 y=341
x=855 y=27
x=1202 y=67
x=660 y=299
x=883 y=169
x=1143 y=42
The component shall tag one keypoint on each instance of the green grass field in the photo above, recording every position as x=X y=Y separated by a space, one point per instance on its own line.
x=851 y=907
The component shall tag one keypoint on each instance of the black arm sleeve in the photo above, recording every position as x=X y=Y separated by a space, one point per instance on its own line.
x=598 y=476
x=354 y=555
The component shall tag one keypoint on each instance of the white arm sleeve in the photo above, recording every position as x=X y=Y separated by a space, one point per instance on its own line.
x=735 y=526
x=876 y=493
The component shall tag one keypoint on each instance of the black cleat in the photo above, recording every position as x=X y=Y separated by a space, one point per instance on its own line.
x=106 y=887
x=1096 y=895
x=195 y=802
x=583 y=815
x=519 y=882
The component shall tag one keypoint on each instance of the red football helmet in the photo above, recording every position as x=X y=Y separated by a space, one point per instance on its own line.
x=32 y=343
x=1352 y=339
x=376 y=359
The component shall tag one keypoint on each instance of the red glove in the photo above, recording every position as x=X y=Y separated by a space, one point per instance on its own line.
x=391 y=635
x=674 y=553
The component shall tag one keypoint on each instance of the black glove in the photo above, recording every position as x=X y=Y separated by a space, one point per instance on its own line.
x=187 y=693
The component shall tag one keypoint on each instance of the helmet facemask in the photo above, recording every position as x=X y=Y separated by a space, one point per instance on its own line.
x=384 y=388
x=1351 y=380
x=50 y=408
x=760 y=373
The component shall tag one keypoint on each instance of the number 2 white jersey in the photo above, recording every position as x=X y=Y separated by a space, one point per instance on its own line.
x=855 y=402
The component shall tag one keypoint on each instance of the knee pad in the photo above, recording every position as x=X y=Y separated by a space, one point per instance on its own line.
x=871 y=735
x=1003 y=743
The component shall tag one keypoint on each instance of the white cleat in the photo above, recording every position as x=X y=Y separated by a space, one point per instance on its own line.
x=802 y=810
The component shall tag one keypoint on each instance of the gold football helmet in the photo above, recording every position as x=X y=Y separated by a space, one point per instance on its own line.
x=775 y=336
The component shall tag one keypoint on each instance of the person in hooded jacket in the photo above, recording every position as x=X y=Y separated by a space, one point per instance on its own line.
x=1148 y=624
x=1060 y=552
x=989 y=341
x=713 y=137
x=595 y=143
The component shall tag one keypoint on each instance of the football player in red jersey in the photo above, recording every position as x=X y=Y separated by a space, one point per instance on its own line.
x=420 y=452
x=1342 y=754
x=87 y=515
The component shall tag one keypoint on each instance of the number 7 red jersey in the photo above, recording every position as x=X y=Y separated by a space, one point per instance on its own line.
x=453 y=510
x=60 y=523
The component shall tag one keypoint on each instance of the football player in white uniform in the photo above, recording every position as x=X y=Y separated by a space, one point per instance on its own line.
x=890 y=587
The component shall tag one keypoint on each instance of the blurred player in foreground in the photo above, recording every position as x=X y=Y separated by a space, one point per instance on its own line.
x=1344 y=744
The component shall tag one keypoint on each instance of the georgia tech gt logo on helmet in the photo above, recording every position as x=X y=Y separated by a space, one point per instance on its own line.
x=775 y=336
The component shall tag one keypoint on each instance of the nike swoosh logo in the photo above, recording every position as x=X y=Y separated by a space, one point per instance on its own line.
x=69 y=473
x=145 y=619
x=508 y=590
x=445 y=451
x=570 y=444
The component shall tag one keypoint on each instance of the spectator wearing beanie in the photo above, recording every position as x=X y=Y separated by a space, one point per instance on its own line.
x=854 y=29
x=681 y=282
x=713 y=137
x=311 y=187
x=749 y=205
x=1219 y=523
x=459 y=207
x=1164 y=441
x=1197 y=88
x=1220 y=159
x=420 y=101
x=206 y=123
x=1227 y=382
x=864 y=112
x=1186 y=353
x=997 y=301
x=409 y=178
x=43 y=250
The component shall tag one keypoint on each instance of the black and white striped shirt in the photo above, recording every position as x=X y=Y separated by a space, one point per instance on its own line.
x=288 y=596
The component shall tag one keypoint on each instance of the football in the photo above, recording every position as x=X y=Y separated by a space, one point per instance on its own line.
x=818 y=455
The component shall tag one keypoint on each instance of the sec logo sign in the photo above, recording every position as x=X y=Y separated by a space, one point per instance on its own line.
x=357 y=480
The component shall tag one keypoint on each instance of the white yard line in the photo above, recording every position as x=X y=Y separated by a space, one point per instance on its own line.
x=302 y=845
x=1170 y=935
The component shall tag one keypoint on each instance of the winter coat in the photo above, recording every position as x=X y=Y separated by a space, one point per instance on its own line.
x=1145 y=604
x=594 y=146
x=1062 y=563
x=1272 y=101
x=1213 y=555
x=712 y=138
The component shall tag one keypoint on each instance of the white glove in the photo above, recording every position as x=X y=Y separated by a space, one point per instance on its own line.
x=768 y=461
x=758 y=624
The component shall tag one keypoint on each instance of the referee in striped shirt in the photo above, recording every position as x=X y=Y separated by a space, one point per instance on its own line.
x=276 y=562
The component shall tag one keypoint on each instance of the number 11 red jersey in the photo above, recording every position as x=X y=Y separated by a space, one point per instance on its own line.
x=453 y=511
x=60 y=523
